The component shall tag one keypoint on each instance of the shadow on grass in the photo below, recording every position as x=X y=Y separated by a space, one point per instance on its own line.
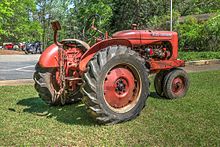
x=70 y=114
x=156 y=96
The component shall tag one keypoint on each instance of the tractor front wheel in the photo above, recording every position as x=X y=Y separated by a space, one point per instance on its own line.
x=176 y=84
x=116 y=85
x=158 y=82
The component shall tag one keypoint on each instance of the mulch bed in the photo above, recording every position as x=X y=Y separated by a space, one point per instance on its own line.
x=11 y=52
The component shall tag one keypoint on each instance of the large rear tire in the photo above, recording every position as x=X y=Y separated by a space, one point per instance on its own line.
x=116 y=85
x=46 y=86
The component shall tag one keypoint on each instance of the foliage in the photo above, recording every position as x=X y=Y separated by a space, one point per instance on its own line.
x=211 y=34
x=84 y=10
x=191 y=121
x=200 y=36
x=188 y=32
x=150 y=14
x=48 y=11
x=17 y=20
x=5 y=12
x=123 y=18
x=29 y=20
x=189 y=56
x=191 y=7
x=72 y=16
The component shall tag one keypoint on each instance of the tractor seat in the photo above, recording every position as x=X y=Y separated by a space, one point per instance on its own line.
x=79 y=43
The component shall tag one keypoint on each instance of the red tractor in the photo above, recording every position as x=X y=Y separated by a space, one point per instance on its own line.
x=111 y=76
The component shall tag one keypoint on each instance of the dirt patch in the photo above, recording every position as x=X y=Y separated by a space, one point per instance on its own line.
x=17 y=82
x=11 y=52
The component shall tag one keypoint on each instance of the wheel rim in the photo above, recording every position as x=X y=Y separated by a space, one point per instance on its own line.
x=122 y=88
x=178 y=85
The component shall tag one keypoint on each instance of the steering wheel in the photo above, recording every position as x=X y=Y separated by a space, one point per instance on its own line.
x=90 y=30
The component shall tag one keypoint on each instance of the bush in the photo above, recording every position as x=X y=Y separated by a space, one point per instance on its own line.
x=188 y=34
x=197 y=36
x=211 y=34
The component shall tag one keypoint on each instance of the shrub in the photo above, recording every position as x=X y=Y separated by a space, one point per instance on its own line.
x=211 y=34
x=199 y=36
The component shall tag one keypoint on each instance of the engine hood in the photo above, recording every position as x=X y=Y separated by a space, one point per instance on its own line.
x=143 y=34
x=127 y=34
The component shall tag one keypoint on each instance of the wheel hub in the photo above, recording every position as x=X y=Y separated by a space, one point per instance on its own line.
x=119 y=87
x=178 y=85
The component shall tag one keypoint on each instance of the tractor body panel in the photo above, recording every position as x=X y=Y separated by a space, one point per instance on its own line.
x=139 y=38
x=130 y=38
x=134 y=36
x=49 y=57
x=156 y=66
x=143 y=37
x=97 y=47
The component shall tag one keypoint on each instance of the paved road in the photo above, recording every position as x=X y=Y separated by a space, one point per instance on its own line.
x=13 y=67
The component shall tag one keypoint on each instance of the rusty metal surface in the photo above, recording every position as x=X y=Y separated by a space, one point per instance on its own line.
x=165 y=64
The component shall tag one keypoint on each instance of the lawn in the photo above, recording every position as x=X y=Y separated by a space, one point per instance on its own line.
x=188 y=56
x=191 y=121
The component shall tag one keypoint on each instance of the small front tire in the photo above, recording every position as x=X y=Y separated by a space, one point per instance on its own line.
x=158 y=82
x=176 y=84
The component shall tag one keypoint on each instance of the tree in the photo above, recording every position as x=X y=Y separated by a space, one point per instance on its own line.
x=154 y=14
x=17 y=20
x=5 y=12
x=48 y=11
x=83 y=9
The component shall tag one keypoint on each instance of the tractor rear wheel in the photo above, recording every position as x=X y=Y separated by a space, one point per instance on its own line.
x=176 y=84
x=116 y=85
x=46 y=86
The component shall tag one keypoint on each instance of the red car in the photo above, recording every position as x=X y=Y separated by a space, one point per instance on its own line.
x=9 y=46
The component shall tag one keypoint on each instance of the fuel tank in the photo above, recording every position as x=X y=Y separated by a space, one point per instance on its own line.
x=138 y=37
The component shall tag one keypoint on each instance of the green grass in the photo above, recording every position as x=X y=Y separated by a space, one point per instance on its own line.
x=191 y=121
x=189 y=56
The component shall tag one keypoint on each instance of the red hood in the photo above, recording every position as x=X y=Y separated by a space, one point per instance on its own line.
x=144 y=34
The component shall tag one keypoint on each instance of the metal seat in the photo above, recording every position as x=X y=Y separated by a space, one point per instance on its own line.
x=76 y=41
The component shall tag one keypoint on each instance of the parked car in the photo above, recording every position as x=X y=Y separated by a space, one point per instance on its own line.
x=33 y=48
x=8 y=46
x=16 y=46
x=22 y=46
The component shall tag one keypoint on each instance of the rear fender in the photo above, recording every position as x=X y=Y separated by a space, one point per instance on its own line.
x=97 y=47
x=49 y=57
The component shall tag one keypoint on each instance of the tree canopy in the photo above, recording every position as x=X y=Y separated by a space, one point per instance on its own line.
x=18 y=21
x=29 y=20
